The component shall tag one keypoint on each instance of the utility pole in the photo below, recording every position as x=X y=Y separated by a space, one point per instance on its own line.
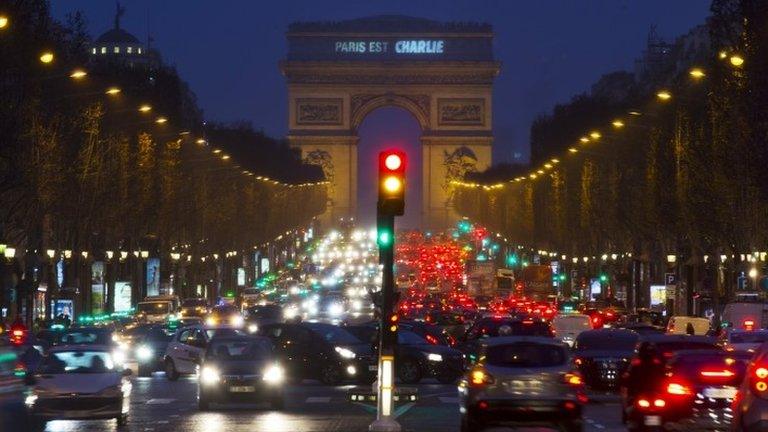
x=391 y=203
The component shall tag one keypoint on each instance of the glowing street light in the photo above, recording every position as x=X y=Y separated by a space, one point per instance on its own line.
x=664 y=95
x=555 y=161
x=3 y=22
x=224 y=157
x=573 y=150
x=618 y=124
x=46 y=57
x=161 y=120
x=584 y=140
x=737 y=60
x=697 y=73
x=595 y=135
x=112 y=91
x=78 y=74
x=145 y=108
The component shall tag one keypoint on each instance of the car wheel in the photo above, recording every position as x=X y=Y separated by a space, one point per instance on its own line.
x=170 y=371
x=409 y=371
x=572 y=426
x=203 y=404
x=331 y=375
x=122 y=420
x=145 y=371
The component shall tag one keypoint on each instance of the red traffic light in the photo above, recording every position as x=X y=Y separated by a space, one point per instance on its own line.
x=392 y=161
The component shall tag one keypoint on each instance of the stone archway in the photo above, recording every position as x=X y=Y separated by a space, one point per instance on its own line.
x=442 y=73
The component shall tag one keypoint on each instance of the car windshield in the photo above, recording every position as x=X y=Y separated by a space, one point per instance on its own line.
x=749 y=337
x=525 y=354
x=668 y=348
x=156 y=308
x=196 y=302
x=265 y=312
x=514 y=328
x=333 y=334
x=238 y=349
x=225 y=310
x=224 y=332
x=86 y=337
x=606 y=342
x=77 y=362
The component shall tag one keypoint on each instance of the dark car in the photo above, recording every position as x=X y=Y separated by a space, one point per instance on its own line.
x=225 y=315
x=321 y=351
x=415 y=357
x=240 y=369
x=502 y=326
x=263 y=314
x=149 y=349
x=194 y=307
x=667 y=345
x=642 y=329
x=86 y=336
x=602 y=356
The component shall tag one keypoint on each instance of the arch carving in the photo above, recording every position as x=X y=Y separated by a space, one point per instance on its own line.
x=417 y=104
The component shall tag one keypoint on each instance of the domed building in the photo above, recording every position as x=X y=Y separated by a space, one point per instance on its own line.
x=117 y=45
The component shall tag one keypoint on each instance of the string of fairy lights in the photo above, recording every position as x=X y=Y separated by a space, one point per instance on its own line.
x=594 y=136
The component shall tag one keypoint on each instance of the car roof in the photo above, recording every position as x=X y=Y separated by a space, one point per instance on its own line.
x=62 y=348
x=657 y=338
x=505 y=340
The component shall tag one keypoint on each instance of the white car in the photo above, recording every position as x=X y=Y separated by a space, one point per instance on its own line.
x=569 y=326
x=743 y=340
x=188 y=346
x=79 y=382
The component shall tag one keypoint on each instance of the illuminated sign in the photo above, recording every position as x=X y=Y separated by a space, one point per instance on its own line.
x=398 y=47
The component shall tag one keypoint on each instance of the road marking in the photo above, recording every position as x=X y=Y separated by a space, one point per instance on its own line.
x=403 y=409
x=318 y=399
x=449 y=400
x=159 y=401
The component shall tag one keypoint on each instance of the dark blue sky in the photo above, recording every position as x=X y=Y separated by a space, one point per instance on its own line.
x=551 y=49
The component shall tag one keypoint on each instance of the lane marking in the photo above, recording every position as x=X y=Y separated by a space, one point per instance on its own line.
x=449 y=400
x=159 y=401
x=403 y=409
x=318 y=399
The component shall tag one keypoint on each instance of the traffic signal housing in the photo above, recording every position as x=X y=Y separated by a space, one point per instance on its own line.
x=392 y=165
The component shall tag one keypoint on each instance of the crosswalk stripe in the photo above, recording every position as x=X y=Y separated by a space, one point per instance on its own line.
x=449 y=400
x=318 y=399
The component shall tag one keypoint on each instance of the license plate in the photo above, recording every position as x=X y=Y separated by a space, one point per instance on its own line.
x=652 y=420
x=720 y=392
x=373 y=368
x=242 y=389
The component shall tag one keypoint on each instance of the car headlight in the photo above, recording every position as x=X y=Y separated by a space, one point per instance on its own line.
x=210 y=321
x=434 y=357
x=144 y=353
x=237 y=321
x=335 y=309
x=253 y=328
x=273 y=374
x=118 y=357
x=290 y=313
x=209 y=375
x=345 y=352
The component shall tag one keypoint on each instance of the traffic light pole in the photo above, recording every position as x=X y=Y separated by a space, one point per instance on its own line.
x=385 y=421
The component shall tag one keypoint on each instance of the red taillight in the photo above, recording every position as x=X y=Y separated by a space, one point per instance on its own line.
x=678 y=389
x=717 y=373
x=659 y=403
x=573 y=379
x=577 y=361
x=643 y=403
x=432 y=340
x=759 y=382
x=749 y=325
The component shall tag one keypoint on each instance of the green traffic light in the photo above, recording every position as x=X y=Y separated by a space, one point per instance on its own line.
x=385 y=238
x=603 y=278
x=512 y=260
x=562 y=277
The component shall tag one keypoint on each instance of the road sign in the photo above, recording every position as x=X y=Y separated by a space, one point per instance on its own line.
x=670 y=279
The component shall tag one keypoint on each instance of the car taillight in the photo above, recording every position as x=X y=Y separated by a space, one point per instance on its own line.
x=717 y=374
x=578 y=361
x=749 y=325
x=479 y=377
x=678 y=389
x=432 y=340
x=759 y=382
x=644 y=403
x=573 y=379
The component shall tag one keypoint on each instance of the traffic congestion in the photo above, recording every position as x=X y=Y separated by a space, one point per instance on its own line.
x=513 y=360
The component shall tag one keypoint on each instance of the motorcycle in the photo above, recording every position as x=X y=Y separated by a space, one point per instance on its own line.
x=646 y=413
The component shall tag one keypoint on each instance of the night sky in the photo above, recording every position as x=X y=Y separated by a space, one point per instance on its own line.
x=550 y=50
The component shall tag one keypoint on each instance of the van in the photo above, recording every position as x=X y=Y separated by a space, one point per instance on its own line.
x=745 y=315
x=678 y=325
x=568 y=327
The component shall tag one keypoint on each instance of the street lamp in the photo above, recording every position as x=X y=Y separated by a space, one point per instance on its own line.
x=737 y=60
x=175 y=256
x=595 y=135
x=584 y=140
x=618 y=124
x=573 y=150
x=84 y=254
x=78 y=74
x=161 y=120
x=9 y=252
x=697 y=73
x=67 y=253
x=3 y=22
x=664 y=95
x=123 y=255
x=50 y=253
x=145 y=108
x=46 y=57
x=671 y=259
x=110 y=254
x=145 y=254
x=113 y=91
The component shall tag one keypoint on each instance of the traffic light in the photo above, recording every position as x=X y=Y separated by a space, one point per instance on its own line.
x=384 y=237
x=390 y=330
x=392 y=182
x=512 y=260
x=603 y=278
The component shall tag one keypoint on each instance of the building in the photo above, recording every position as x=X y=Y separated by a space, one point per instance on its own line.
x=118 y=46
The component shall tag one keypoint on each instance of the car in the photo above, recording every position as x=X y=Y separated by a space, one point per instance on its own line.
x=569 y=326
x=743 y=315
x=149 y=349
x=742 y=340
x=750 y=406
x=100 y=336
x=701 y=386
x=12 y=411
x=226 y=314
x=79 y=382
x=495 y=326
x=522 y=381
x=256 y=316
x=240 y=369
x=681 y=325
x=194 y=307
x=415 y=357
x=187 y=347
x=603 y=355
x=667 y=345
x=155 y=311
x=641 y=328
x=321 y=351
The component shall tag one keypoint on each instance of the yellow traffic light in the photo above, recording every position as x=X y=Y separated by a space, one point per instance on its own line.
x=392 y=184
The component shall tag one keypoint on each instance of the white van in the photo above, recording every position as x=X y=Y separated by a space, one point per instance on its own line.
x=679 y=325
x=569 y=326
x=746 y=316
